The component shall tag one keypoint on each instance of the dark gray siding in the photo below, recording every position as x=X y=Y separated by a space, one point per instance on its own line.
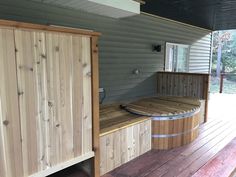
x=125 y=44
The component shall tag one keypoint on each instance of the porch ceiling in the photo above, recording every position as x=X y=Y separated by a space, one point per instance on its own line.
x=210 y=14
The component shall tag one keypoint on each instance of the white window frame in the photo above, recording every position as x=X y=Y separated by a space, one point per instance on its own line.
x=166 y=67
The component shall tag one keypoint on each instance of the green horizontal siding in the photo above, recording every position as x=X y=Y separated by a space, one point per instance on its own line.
x=125 y=44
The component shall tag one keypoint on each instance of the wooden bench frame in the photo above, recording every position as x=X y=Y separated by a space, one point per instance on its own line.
x=128 y=130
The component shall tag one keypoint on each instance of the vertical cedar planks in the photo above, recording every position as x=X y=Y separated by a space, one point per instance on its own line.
x=144 y=138
x=184 y=84
x=110 y=151
x=65 y=106
x=103 y=155
x=60 y=62
x=54 y=80
x=47 y=100
x=29 y=100
x=117 y=142
x=40 y=70
x=77 y=92
x=3 y=161
x=123 y=145
x=87 y=109
x=10 y=136
x=124 y=150
x=54 y=97
x=136 y=143
x=69 y=95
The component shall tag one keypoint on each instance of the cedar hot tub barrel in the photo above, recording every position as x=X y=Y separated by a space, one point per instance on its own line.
x=175 y=120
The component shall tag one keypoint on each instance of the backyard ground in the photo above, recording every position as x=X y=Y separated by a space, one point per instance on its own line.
x=222 y=106
x=229 y=87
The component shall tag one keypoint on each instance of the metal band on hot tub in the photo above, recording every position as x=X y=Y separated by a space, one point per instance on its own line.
x=176 y=134
x=175 y=117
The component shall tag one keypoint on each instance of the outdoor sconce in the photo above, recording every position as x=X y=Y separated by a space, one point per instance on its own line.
x=156 y=48
x=136 y=71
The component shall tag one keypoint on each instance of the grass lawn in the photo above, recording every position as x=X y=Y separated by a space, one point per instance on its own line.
x=229 y=87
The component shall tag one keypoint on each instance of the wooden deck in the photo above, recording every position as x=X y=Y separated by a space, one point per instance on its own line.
x=222 y=165
x=184 y=161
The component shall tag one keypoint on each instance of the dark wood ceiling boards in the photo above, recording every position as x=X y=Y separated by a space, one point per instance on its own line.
x=210 y=14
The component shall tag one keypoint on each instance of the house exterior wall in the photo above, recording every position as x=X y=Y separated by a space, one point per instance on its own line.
x=125 y=44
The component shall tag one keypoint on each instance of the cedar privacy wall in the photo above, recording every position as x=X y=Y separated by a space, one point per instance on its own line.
x=125 y=44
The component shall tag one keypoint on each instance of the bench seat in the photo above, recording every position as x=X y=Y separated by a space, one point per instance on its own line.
x=123 y=137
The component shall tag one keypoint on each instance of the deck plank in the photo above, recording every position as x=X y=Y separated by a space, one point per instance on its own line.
x=223 y=164
x=206 y=157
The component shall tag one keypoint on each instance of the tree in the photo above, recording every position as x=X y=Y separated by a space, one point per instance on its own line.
x=224 y=51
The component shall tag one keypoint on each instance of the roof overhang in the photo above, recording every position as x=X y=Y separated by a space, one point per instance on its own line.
x=110 y=8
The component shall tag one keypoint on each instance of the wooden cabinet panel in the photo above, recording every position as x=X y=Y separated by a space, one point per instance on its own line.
x=46 y=102
x=54 y=83
x=69 y=87
x=123 y=145
x=10 y=136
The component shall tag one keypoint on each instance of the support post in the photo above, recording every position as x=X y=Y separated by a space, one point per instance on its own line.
x=206 y=96
x=95 y=105
x=221 y=82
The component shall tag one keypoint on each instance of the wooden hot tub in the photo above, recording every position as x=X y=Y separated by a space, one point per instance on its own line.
x=175 y=120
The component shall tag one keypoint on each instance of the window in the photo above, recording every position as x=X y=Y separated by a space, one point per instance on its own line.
x=176 y=57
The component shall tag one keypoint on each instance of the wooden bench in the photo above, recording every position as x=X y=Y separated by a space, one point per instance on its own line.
x=123 y=136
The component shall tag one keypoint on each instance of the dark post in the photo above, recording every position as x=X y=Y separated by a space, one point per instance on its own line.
x=221 y=82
